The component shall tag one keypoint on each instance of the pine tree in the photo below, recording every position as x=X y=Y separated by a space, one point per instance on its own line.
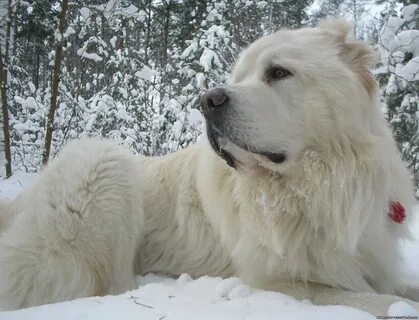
x=5 y=157
x=399 y=79
x=55 y=81
x=5 y=133
x=349 y=9
x=134 y=70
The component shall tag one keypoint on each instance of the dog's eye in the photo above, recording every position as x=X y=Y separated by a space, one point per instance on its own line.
x=275 y=73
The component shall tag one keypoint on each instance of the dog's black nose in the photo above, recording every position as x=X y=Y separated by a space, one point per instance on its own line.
x=214 y=98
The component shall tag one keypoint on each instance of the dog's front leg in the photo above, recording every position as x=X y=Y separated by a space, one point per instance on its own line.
x=374 y=303
x=411 y=293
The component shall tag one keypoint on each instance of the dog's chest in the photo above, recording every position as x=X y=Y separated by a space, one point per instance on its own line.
x=179 y=237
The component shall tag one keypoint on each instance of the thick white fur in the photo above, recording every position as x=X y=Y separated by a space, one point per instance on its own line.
x=76 y=231
x=315 y=227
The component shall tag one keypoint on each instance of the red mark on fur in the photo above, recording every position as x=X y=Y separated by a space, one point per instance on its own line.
x=397 y=212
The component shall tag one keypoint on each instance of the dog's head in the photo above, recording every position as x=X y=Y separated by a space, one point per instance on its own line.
x=292 y=91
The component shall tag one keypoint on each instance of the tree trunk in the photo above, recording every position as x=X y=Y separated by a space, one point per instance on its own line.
x=5 y=118
x=37 y=62
x=4 y=83
x=148 y=8
x=55 y=83
x=270 y=24
x=148 y=30
x=166 y=35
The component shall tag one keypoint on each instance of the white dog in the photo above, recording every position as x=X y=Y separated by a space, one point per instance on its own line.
x=305 y=192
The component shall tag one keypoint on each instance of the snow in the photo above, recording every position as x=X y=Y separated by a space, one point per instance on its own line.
x=204 y=298
x=130 y=10
x=113 y=41
x=408 y=12
x=85 y=13
x=92 y=56
x=410 y=72
x=29 y=102
x=262 y=4
x=31 y=87
x=160 y=297
x=113 y=7
x=58 y=35
x=207 y=58
x=406 y=41
x=200 y=79
x=396 y=43
x=145 y=73
x=11 y=187
x=177 y=129
x=398 y=308
x=195 y=118
x=69 y=32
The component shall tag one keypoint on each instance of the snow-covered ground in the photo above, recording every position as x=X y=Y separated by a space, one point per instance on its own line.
x=159 y=297
x=11 y=187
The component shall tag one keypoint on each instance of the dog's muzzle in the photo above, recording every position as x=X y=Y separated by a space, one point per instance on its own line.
x=217 y=109
x=214 y=102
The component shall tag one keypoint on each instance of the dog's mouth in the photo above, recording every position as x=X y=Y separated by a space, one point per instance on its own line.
x=215 y=138
x=219 y=142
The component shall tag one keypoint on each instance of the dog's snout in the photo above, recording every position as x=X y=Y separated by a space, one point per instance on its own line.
x=214 y=98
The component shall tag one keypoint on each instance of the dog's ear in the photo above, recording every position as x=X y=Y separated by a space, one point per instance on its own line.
x=357 y=54
x=336 y=28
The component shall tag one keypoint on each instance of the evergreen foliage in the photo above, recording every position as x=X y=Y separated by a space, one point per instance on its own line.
x=134 y=70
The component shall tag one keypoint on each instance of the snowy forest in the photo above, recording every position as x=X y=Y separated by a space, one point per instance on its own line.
x=133 y=70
